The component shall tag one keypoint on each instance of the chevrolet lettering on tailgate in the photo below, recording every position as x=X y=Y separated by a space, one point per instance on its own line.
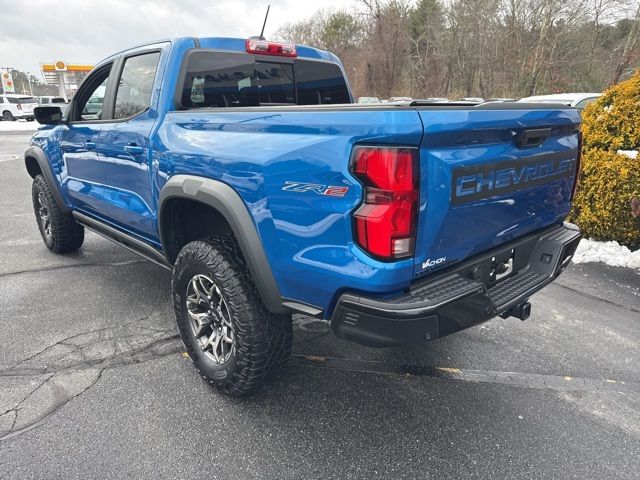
x=473 y=183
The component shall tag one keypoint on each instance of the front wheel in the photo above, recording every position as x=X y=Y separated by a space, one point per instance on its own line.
x=233 y=340
x=60 y=232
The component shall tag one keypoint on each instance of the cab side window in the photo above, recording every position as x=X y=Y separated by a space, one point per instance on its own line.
x=136 y=85
x=90 y=99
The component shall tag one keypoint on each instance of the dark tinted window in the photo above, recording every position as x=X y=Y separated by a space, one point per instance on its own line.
x=320 y=83
x=23 y=101
x=275 y=82
x=12 y=99
x=136 y=83
x=215 y=79
x=219 y=80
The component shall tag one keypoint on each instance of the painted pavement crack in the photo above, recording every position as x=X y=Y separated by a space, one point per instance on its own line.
x=60 y=397
x=69 y=367
x=75 y=347
x=17 y=405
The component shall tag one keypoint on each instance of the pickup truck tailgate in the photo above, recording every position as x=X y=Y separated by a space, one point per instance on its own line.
x=488 y=176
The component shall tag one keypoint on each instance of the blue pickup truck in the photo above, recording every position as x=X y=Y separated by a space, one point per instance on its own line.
x=243 y=166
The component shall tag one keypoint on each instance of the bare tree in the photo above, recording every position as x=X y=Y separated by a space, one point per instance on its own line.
x=454 y=48
x=629 y=48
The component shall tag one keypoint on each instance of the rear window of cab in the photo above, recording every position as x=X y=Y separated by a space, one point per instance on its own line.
x=21 y=100
x=219 y=80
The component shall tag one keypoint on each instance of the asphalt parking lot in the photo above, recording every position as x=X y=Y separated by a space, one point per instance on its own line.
x=94 y=382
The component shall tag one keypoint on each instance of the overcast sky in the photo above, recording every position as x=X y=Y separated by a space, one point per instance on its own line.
x=85 y=31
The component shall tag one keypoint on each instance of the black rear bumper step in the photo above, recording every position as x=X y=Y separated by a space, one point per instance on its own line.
x=464 y=296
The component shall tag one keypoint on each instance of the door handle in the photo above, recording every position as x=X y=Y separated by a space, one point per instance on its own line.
x=532 y=137
x=134 y=149
x=90 y=145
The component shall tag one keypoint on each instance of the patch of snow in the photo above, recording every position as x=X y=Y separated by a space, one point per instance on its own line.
x=633 y=154
x=611 y=253
x=19 y=126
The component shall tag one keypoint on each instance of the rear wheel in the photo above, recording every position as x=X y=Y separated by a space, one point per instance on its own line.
x=60 y=232
x=232 y=339
x=8 y=116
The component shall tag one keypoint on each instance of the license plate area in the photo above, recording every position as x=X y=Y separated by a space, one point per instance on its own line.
x=501 y=267
x=500 y=264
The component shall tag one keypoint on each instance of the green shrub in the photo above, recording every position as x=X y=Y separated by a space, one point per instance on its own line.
x=609 y=181
x=612 y=122
x=602 y=207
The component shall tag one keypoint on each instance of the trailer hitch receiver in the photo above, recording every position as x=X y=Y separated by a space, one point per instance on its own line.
x=521 y=311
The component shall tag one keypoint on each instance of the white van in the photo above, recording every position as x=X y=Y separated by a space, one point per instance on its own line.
x=13 y=107
x=577 y=100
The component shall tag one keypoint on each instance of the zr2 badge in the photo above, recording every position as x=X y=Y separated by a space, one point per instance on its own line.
x=328 y=190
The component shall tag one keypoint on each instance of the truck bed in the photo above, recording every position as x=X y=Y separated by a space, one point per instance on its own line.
x=258 y=150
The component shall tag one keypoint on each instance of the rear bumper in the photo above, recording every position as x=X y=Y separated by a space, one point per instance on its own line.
x=460 y=297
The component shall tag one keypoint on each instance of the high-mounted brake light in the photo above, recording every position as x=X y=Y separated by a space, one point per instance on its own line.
x=263 y=47
x=385 y=223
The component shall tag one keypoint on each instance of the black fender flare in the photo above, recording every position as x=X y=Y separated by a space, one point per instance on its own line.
x=40 y=157
x=228 y=203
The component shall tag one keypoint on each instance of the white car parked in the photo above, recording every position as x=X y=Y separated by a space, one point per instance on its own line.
x=14 y=106
x=578 y=100
x=51 y=101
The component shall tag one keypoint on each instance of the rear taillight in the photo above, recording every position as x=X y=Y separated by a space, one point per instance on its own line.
x=576 y=180
x=19 y=106
x=385 y=223
x=264 y=47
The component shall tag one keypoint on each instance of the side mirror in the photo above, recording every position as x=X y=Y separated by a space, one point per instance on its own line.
x=48 y=115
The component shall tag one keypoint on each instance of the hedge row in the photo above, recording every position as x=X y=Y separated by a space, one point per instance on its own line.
x=609 y=181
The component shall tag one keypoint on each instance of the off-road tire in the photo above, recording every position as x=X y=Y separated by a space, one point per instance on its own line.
x=65 y=234
x=7 y=116
x=262 y=339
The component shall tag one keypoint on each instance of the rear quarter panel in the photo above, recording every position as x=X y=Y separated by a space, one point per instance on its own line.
x=307 y=236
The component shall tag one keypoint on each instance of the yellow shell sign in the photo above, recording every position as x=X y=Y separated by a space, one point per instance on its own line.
x=60 y=66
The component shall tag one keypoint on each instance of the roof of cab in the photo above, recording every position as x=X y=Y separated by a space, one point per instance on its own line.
x=239 y=45
x=229 y=44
